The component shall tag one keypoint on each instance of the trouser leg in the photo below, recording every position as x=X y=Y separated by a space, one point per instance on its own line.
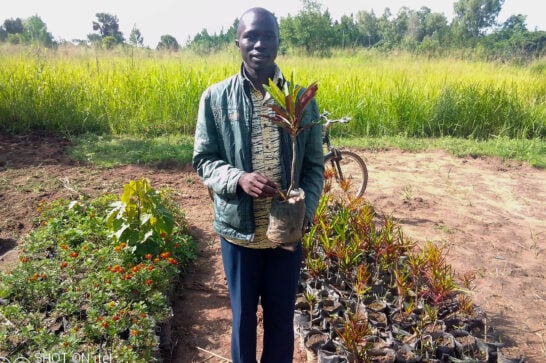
x=281 y=276
x=243 y=269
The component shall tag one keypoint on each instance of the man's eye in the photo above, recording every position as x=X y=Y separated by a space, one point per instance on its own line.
x=253 y=38
x=250 y=37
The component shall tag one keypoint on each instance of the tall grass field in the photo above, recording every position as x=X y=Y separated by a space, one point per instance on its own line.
x=139 y=92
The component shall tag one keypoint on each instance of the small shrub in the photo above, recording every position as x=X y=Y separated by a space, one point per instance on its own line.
x=78 y=292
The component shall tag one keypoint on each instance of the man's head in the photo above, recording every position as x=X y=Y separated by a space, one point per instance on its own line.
x=258 y=40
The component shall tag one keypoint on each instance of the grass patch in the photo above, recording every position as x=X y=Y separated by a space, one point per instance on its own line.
x=150 y=94
x=531 y=151
x=108 y=150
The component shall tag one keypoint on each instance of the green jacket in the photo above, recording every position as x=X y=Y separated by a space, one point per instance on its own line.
x=222 y=152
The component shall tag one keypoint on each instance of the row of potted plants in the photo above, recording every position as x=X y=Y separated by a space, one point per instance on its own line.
x=369 y=294
x=94 y=278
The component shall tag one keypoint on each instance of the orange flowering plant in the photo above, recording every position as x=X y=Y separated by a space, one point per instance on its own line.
x=83 y=291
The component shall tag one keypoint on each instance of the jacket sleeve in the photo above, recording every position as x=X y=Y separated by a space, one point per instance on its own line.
x=209 y=159
x=312 y=173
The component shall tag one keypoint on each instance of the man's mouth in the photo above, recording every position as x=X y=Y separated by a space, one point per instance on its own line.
x=259 y=57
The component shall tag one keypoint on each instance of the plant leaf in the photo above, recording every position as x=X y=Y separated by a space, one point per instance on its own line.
x=305 y=98
x=276 y=93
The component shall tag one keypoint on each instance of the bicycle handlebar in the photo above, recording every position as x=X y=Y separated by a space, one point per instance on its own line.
x=325 y=114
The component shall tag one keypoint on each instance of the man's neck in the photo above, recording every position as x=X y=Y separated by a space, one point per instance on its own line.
x=259 y=78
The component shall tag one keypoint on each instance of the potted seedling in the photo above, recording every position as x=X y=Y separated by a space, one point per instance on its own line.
x=288 y=211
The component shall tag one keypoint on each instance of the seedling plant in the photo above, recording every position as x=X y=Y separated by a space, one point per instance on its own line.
x=365 y=259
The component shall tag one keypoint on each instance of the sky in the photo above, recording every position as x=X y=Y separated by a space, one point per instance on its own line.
x=72 y=19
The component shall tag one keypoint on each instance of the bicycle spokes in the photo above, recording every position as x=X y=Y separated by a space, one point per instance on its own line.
x=345 y=174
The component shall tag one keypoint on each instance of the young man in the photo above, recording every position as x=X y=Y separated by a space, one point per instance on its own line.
x=245 y=160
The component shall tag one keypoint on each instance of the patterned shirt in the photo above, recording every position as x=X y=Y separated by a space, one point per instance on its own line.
x=266 y=142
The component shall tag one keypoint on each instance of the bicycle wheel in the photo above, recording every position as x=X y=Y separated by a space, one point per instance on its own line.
x=346 y=173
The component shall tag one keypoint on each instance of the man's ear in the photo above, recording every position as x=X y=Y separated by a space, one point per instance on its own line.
x=237 y=43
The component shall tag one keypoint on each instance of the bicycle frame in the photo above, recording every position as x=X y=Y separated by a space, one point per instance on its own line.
x=334 y=157
x=331 y=150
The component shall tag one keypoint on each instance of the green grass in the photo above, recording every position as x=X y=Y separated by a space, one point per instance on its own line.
x=416 y=97
x=107 y=151
x=531 y=151
x=150 y=93
x=140 y=106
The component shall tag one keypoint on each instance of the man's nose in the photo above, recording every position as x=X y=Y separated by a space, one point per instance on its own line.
x=259 y=43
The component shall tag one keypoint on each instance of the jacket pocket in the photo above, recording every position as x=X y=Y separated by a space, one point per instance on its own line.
x=226 y=211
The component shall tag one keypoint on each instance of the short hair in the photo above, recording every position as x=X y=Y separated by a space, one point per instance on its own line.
x=258 y=10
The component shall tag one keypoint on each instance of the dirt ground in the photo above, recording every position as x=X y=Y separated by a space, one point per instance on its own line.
x=490 y=216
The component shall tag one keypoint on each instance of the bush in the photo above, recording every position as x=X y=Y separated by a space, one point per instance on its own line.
x=80 y=291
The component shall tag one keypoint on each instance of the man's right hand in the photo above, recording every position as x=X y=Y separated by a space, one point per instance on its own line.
x=258 y=185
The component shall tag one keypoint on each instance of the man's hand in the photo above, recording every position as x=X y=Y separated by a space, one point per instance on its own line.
x=258 y=185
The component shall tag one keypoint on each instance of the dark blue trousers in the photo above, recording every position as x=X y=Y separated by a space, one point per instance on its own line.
x=270 y=275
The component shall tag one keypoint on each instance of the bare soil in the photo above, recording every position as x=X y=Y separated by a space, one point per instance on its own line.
x=489 y=214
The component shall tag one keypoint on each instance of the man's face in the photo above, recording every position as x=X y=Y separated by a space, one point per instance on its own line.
x=258 y=41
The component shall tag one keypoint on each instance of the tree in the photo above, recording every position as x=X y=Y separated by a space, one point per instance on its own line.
x=13 y=31
x=167 y=42
x=108 y=26
x=347 y=32
x=387 y=30
x=14 y=26
x=229 y=37
x=513 y=41
x=94 y=38
x=435 y=34
x=202 y=43
x=422 y=24
x=436 y=26
x=108 y=42
x=368 y=28
x=313 y=30
x=136 y=38
x=515 y=24
x=402 y=21
x=35 y=31
x=287 y=34
x=474 y=17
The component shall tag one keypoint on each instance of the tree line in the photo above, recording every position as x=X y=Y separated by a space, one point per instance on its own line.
x=106 y=34
x=313 y=31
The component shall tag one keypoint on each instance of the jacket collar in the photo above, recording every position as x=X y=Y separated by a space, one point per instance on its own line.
x=278 y=77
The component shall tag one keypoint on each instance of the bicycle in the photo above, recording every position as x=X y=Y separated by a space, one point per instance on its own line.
x=346 y=168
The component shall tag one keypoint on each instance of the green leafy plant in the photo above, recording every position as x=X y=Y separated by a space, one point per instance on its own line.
x=311 y=298
x=361 y=283
x=140 y=220
x=438 y=277
x=353 y=335
x=289 y=111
